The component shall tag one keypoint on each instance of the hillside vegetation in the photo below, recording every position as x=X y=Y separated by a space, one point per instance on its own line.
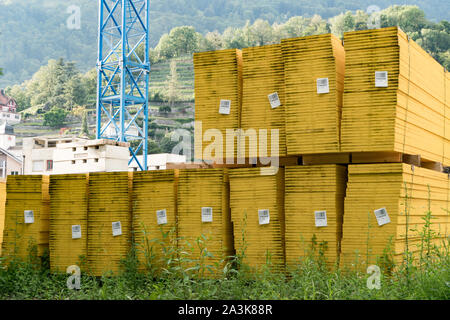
x=60 y=94
x=35 y=31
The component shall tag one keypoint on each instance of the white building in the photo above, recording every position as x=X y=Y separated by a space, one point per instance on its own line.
x=8 y=109
x=158 y=161
x=7 y=137
x=65 y=155
x=90 y=156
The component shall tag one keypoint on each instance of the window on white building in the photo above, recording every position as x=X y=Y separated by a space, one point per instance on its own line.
x=38 y=166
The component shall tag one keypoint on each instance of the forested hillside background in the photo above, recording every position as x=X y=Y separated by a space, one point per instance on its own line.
x=50 y=72
x=34 y=31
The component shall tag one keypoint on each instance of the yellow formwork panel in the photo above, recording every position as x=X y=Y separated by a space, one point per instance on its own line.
x=407 y=113
x=407 y=194
x=218 y=76
x=204 y=222
x=263 y=100
x=68 y=221
x=2 y=212
x=108 y=205
x=257 y=212
x=310 y=191
x=313 y=108
x=155 y=218
x=26 y=196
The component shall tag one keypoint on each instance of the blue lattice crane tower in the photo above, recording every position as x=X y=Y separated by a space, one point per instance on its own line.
x=123 y=74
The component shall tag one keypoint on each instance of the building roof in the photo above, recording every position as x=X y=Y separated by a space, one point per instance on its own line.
x=5 y=128
x=9 y=154
x=4 y=100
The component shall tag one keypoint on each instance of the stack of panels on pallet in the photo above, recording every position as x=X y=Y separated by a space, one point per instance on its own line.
x=2 y=212
x=257 y=212
x=26 y=216
x=395 y=97
x=314 y=206
x=314 y=69
x=204 y=220
x=109 y=221
x=386 y=204
x=154 y=218
x=218 y=93
x=263 y=101
x=68 y=221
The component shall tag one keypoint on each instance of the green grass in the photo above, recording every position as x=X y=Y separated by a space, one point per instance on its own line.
x=310 y=280
x=426 y=276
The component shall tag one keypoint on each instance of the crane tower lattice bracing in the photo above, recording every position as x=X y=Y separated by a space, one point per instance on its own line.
x=123 y=74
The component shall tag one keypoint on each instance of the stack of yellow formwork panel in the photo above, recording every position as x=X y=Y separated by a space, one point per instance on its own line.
x=257 y=211
x=109 y=221
x=26 y=216
x=2 y=212
x=314 y=206
x=386 y=204
x=68 y=221
x=314 y=69
x=204 y=222
x=154 y=218
x=263 y=100
x=218 y=94
x=395 y=96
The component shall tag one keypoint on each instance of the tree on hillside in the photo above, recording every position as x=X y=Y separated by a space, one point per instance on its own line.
x=85 y=125
x=1 y=71
x=172 y=83
x=55 y=117
x=180 y=41
x=56 y=85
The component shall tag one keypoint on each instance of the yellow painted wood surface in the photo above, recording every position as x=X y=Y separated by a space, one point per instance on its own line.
x=313 y=119
x=108 y=202
x=26 y=193
x=263 y=75
x=310 y=189
x=404 y=193
x=197 y=189
x=411 y=114
x=155 y=244
x=250 y=192
x=218 y=76
x=68 y=207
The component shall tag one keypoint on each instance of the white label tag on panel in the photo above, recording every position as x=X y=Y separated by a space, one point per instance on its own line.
x=29 y=216
x=225 y=107
x=264 y=216
x=382 y=216
x=117 y=228
x=207 y=214
x=274 y=100
x=161 y=216
x=323 y=86
x=321 y=218
x=381 y=79
x=76 y=232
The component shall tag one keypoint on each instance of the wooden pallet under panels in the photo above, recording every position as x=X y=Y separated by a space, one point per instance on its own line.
x=68 y=214
x=250 y=192
x=108 y=203
x=26 y=193
x=311 y=189
x=410 y=115
x=199 y=190
x=154 y=193
x=313 y=119
x=2 y=212
x=402 y=190
x=263 y=75
x=218 y=76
